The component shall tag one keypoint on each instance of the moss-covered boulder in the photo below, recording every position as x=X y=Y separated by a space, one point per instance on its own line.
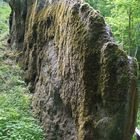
x=84 y=85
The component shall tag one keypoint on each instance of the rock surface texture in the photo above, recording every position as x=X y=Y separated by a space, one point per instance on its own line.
x=84 y=86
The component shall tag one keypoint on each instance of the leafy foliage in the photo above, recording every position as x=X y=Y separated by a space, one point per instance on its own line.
x=16 y=121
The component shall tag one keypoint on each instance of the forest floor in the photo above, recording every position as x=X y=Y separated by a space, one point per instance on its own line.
x=16 y=120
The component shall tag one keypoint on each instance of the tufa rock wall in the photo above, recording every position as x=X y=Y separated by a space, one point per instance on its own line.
x=84 y=85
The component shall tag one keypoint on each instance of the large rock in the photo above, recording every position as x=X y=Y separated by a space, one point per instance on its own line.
x=84 y=85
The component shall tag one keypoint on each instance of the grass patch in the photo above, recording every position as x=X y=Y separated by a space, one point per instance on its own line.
x=16 y=121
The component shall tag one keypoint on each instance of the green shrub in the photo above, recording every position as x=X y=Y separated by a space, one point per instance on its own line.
x=16 y=121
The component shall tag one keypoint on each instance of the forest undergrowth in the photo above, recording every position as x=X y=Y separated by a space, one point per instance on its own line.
x=16 y=120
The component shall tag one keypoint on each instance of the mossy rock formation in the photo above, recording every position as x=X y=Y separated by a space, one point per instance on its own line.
x=84 y=85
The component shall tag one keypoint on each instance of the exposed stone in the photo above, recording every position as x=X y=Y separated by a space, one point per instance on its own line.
x=84 y=85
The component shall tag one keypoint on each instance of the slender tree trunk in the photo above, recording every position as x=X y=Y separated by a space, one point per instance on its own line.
x=122 y=36
x=129 y=28
x=136 y=51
